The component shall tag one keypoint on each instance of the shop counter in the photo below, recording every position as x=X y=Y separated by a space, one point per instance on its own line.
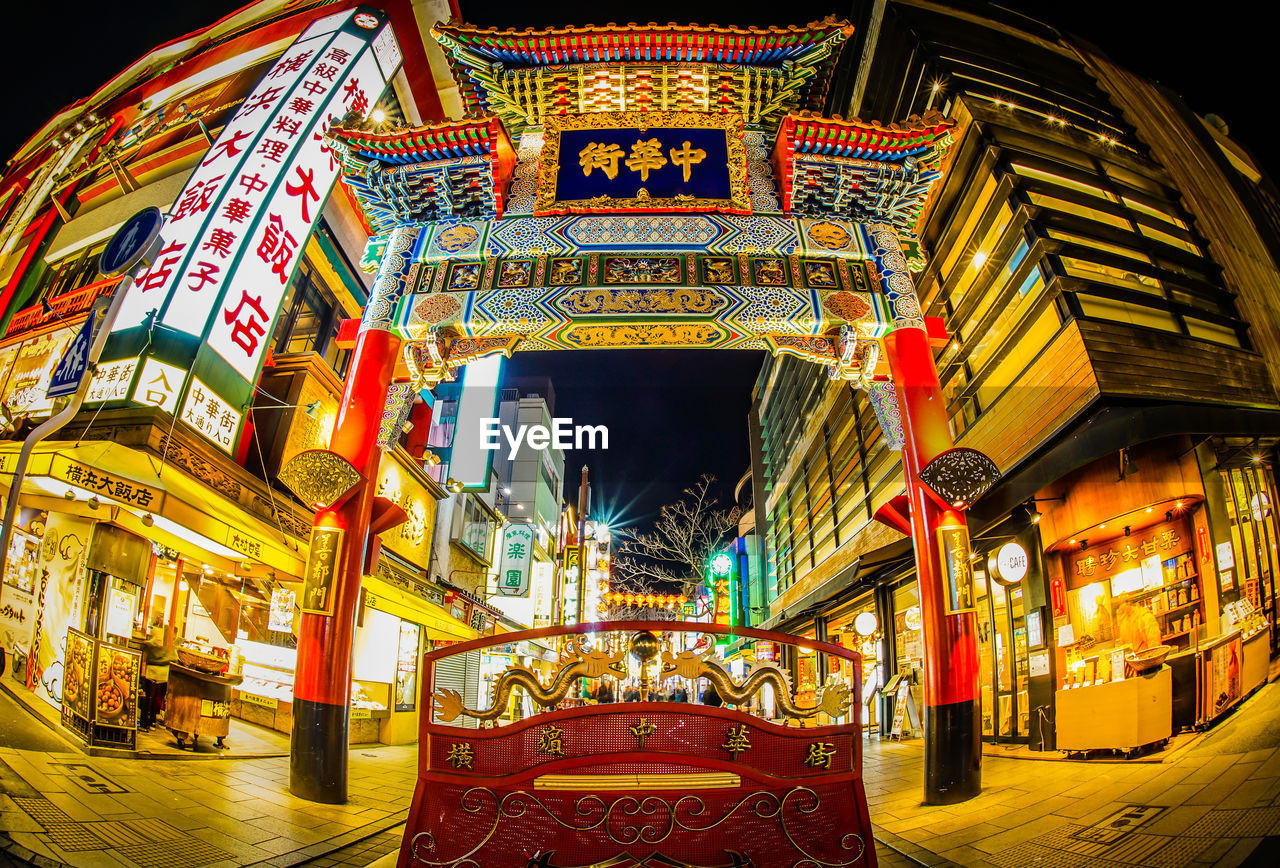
x=199 y=703
x=1118 y=715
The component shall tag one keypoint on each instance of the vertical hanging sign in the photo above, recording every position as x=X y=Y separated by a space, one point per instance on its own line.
x=192 y=334
x=957 y=570
x=517 y=559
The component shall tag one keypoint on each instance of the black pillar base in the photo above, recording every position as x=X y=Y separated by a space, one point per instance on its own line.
x=318 y=752
x=952 y=753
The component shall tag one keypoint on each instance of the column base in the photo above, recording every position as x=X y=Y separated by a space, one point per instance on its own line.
x=318 y=753
x=952 y=752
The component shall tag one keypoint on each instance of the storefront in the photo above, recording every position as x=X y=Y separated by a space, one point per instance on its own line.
x=107 y=547
x=857 y=627
x=1159 y=589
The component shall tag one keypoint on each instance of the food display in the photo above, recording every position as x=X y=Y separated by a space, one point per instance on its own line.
x=362 y=696
x=78 y=688
x=117 y=688
x=100 y=694
x=202 y=656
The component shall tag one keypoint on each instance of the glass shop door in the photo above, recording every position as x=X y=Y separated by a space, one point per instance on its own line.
x=1004 y=666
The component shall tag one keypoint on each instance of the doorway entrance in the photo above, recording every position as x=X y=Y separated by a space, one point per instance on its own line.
x=1004 y=668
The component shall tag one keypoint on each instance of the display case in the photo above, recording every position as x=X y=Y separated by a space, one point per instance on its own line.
x=265 y=696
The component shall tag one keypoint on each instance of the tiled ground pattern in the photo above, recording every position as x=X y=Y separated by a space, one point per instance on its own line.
x=1206 y=805
x=1217 y=806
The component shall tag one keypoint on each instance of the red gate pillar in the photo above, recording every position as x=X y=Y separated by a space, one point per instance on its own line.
x=953 y=732
x=322 y=683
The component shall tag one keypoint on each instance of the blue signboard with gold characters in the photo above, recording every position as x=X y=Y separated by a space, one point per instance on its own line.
x=643 y=161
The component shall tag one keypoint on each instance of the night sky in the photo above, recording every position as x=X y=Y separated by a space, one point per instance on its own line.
x=672 y=414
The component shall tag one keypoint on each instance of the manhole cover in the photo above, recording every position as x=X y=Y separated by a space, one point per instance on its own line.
x=1119 y=824
x=87 y=778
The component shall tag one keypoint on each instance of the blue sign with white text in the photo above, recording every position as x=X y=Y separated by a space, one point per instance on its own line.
x=75 y=361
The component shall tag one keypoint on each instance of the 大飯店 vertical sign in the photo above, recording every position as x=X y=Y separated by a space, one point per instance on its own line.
x=192 y=332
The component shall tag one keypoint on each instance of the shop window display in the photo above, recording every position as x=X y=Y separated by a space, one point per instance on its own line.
x=1249 y=568
x=908 y=637
x=1127 y=596
x=859 y=630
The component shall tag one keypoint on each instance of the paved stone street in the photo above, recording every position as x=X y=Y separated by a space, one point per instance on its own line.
x=68 y=809
x=1212 y=803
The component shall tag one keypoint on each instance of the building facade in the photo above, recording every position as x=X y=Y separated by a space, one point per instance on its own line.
x=1104 y=263
x=160 y=523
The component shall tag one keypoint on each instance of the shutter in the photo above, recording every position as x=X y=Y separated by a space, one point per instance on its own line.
x=461 y=672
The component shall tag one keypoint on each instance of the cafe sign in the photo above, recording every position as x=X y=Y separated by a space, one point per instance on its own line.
x=1009 y=564
x=643 y=162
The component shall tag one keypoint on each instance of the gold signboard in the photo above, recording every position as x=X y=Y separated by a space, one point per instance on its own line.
x=322 y=564
x=643 y=162
x=398 y=484
x=957 y=570
x=104 y=484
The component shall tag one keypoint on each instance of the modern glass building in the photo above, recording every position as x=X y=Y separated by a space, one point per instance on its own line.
x=1104 y=262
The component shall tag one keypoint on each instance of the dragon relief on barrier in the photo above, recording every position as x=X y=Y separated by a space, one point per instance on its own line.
x=834 y=700
x=581 y=664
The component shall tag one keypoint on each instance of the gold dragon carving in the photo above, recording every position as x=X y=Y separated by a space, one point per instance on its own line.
x=582 y=664
x=833 y=701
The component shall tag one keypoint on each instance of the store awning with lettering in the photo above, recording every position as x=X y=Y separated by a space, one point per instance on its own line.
x=387 y=598
x=181 y=507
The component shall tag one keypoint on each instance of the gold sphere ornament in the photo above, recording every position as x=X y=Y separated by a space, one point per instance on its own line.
x=644 y=646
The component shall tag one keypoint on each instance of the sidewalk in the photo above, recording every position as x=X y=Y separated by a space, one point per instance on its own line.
x=94 y=812
x=247 y=740
x=1211 y=804
x=1214 y=802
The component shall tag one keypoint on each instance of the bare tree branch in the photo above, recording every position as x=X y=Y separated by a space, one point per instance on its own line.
x=675 y=552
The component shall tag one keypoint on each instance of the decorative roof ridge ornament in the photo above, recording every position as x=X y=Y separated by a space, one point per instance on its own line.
x=527 y=75
x=830 y=22
x=932 y=120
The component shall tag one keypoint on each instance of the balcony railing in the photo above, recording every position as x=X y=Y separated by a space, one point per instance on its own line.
x=61 y=308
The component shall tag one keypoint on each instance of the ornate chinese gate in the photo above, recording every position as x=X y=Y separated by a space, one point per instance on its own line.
x=669 y=188
x=766 y=781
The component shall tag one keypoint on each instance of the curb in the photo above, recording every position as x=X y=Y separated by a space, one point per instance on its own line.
x=304 y=855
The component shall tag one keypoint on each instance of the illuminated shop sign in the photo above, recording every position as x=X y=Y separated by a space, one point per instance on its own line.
x=517 y=557
x=1009 y=564
x=235 y=234
x=643 y=161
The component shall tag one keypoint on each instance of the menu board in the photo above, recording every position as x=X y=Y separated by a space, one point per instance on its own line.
x=407 y=667
x=116 y=694
x=78 y=687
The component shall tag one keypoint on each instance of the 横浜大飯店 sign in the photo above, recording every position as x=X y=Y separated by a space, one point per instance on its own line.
x=643 y=161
